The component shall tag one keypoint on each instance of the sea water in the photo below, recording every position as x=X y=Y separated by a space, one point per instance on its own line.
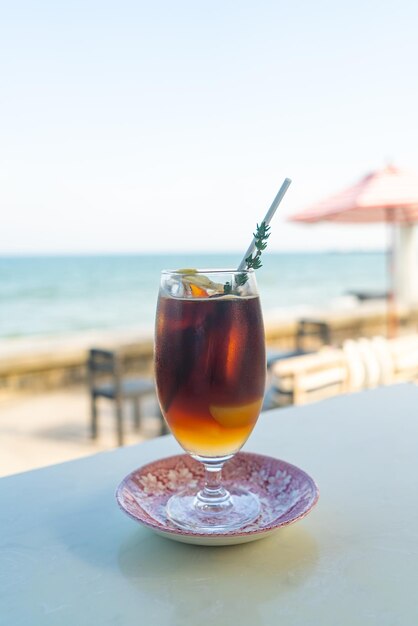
x=52 y=296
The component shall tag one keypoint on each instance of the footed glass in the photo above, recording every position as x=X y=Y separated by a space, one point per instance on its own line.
x=210 y=375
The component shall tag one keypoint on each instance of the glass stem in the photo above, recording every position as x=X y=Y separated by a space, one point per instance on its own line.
x=213 y=493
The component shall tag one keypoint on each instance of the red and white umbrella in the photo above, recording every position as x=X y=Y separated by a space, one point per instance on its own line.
x=388 y=195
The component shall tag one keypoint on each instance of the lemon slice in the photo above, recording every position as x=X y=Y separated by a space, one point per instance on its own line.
x=236 y=416
x=190 y=277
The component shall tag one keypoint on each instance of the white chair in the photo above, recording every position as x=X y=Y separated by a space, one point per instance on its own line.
x=371 y=362
x=404 y=353
x=355 y=365
x=380 y=347
x=311 y=377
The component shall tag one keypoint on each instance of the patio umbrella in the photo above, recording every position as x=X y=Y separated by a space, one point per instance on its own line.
x=388 y=195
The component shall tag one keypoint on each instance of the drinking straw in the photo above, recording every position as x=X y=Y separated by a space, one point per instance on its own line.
x=267 y=219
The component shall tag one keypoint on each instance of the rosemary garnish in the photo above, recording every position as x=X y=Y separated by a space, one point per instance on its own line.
x=260 y=236
x=253 y=260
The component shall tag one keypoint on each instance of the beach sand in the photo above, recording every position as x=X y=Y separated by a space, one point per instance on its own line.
x=46 y=428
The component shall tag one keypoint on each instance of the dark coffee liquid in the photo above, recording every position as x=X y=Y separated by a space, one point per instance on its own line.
x=210 y=370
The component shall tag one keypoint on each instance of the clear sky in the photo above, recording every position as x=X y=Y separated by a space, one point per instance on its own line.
x=138 y=126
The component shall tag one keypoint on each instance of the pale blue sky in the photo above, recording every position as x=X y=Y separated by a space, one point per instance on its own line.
x=135 y=126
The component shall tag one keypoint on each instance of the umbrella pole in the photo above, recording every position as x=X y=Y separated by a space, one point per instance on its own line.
x=391 y=313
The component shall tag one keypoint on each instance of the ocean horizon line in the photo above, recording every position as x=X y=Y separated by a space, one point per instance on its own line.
x=68 y=255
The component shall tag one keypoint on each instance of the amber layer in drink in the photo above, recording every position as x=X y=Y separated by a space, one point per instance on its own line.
x=210 y=370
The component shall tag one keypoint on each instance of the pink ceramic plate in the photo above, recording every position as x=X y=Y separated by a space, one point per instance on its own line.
x=286 y=494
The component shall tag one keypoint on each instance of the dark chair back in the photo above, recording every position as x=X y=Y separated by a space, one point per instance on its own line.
x=103 y=364
x=312 y=329
x=106 y=380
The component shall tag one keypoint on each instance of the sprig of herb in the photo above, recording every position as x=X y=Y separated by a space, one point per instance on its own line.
x=261 y=235
x=253 y=260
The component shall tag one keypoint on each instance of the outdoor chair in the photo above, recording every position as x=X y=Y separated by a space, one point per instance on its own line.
x=360 y=364
x=404 y=354
x=106 y=380
x=355 y=365
x=273 y=398
x=380 y=346
x=369 y=363
x=312 y=329
x=302 y=379
x=384 y=361
x=317 y=332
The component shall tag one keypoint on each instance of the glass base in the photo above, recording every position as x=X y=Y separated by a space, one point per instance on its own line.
x=234 y=510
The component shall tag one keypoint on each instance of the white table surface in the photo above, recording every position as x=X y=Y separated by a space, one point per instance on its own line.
x=69 y=556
